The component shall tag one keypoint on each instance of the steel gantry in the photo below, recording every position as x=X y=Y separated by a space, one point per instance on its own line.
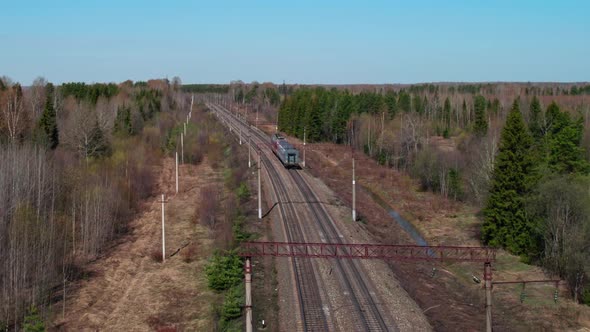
x=370 y=251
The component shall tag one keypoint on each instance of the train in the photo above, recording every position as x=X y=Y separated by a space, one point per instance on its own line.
x=287 y=154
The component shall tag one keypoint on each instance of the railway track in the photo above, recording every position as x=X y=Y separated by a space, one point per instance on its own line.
x=367 y=313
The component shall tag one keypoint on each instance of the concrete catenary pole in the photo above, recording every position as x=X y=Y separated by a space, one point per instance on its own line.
x=304 y=147
x=240 y=135
x=259 y=185
x=163 y=231
x=177 y=172
x=248 y=306
x=353 y=191
x=182 y=148
x=249 y=151
x=487 y=276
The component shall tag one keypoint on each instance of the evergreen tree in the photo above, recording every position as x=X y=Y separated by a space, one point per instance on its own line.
x=566 y=156
x=33 y=321
x=404 y=101
x=481 y=122
x=535 y=118
x=417 y=103
x=447 y=113
x=123 y=124
x=505 y=222
x=48 y=132
x=390 y=100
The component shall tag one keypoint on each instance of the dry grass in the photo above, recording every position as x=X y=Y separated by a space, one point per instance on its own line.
x=131 y=289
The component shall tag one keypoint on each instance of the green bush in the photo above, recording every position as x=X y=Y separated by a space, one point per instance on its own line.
x=231 y=309
x=224 y=270
x=33 y=321
x=238 y=229
x=243 y=192
x=586 y=296
x=233 y=302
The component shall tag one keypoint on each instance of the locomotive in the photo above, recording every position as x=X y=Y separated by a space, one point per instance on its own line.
x=287 y=154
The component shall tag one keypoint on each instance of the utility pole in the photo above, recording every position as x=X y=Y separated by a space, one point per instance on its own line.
x=303 y=147
x=182 y=148
x=177 y=172
x=248 y=282
x=249 y=151
x=163 y=231
x=353 y=191
x=259 y=186
x=185 y=126
x=487 y=276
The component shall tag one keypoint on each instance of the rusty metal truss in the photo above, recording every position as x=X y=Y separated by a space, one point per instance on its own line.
x=368 y=251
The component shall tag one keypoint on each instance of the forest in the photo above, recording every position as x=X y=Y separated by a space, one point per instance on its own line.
x=518 y=152
x=76 y=160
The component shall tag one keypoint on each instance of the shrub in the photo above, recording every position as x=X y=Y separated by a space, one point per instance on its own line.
x=238 y=229
x=188 y=254
x=208 y=207
x=224 y=271
x=233 y=302
x=243 y=192
x=156 y=255
x=33 y=321
x=231 y=309
x=586 y=296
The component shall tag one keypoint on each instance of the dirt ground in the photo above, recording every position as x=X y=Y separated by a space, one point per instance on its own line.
x=129 y=289
x=445 y=293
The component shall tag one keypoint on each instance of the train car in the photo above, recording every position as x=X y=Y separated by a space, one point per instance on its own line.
x=287 y=154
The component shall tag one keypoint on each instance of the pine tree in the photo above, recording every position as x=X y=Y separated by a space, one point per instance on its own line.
x=48 y=132
x=481 y=122
x=505 y=222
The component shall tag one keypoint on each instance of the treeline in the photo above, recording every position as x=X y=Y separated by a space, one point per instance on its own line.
x=205 y=88
x=81 y=91
x=74 y=170
x=451 y=143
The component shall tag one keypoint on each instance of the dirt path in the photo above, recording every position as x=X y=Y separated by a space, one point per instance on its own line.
x=129 y=290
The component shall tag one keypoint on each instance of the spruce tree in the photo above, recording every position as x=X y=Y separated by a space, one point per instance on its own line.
x=481 y=122
x=535 y=118
x=49 y=134
x=505 y=222
x=565 y=155
x=447 y=113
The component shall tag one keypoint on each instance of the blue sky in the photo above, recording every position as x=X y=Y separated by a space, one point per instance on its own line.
x=296 y=41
